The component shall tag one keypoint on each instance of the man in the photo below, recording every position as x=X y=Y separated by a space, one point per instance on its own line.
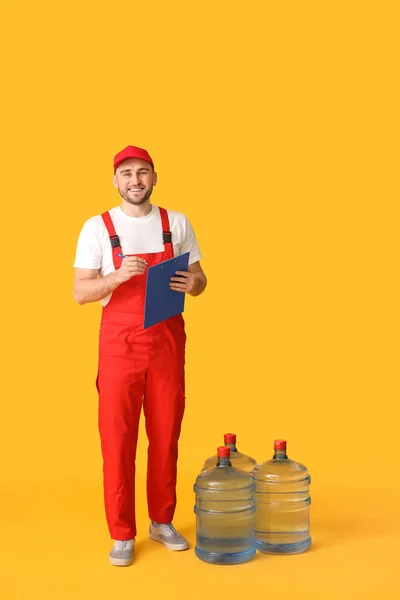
x=136 y=365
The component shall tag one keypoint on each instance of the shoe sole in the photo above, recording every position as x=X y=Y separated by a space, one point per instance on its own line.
x=121 y=562
x=183 y=546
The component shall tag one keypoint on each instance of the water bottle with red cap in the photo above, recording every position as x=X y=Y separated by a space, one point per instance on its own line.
x=238 y=460
x=282 y=500
x=224 y=513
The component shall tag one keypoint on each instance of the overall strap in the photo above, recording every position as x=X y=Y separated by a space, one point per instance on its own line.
x=114 y=239
x=167 y=238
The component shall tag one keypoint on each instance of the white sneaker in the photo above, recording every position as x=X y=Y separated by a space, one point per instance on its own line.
x=121 y=554
x=166 y=534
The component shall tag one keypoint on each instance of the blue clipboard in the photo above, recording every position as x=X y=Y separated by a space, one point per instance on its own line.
x=161 y=302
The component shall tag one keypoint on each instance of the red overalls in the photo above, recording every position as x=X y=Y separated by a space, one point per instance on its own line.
x=138 y=366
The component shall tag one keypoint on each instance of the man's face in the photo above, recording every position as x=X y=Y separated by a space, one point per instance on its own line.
x=134 y=179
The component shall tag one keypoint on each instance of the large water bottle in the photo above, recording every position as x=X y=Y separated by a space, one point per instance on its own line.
x=224 y=513
x=238 y=460
x=282 y=520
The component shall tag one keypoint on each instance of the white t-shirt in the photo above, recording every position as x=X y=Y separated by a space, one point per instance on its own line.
x=141 y=235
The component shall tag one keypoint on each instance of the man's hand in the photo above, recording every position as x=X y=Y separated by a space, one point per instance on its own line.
x=191 y=282
x=186 y=283
x=89 y=287
x=131 y=266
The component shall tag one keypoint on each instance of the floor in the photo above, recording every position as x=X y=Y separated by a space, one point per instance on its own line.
x=55 y=546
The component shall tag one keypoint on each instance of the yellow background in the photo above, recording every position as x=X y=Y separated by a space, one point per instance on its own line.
x=274 y=126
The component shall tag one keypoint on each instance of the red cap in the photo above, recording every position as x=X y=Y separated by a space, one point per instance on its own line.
x=223 y=452
x=230 y=438
x=132 y=152
x=280 y=445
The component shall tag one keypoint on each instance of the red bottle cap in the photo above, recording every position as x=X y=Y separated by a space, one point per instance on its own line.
x=230 y=438
x=223 y=452
x=280 y=445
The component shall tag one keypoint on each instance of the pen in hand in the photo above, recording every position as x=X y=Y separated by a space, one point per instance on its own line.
x=123 y=256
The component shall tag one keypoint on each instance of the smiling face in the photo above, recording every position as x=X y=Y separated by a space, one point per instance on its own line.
x=134 y=179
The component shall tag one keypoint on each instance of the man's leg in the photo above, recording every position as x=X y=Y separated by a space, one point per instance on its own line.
x=164 y=405
x=120 y=402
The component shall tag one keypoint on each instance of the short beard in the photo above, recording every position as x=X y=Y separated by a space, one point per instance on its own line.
x=136 y=202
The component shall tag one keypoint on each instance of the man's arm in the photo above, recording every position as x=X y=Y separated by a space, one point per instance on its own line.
x=194 y=282
x=89 y=287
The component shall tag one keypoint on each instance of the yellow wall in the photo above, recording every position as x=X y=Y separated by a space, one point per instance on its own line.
x=274 y=128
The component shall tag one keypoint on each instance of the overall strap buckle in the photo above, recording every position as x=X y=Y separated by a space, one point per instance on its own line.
x=115 y=243
x=167 y=238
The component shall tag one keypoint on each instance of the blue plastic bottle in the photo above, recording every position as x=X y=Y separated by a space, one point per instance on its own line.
x=238 y=459
x=282 y=517
x=224 y=513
